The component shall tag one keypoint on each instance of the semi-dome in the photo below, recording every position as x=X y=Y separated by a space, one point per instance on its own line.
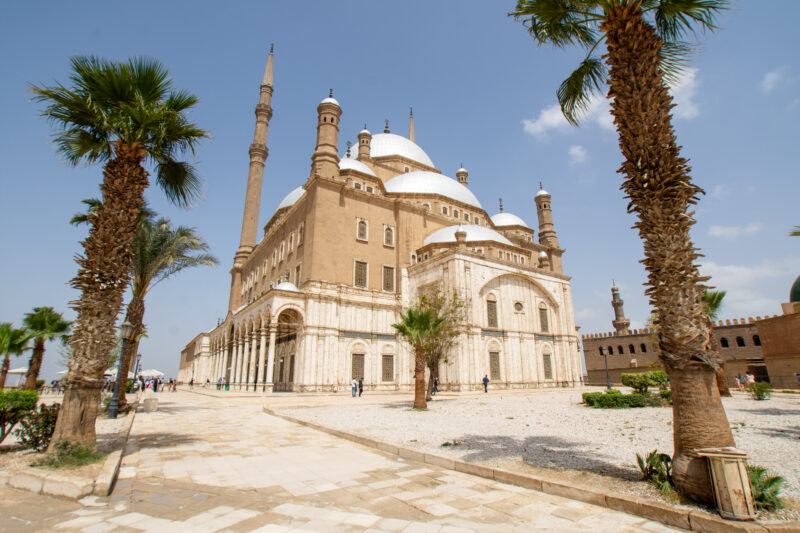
x=290 y=199
x=424 y=182
x=542 y=192
x=385 y=144
x=330 y=100
x=507 y=219
x=474 y=233
x=348 y=163
x=794 y=293
x=287 y=286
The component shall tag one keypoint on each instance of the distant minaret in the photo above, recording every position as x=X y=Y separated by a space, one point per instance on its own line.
x=411 y=125
x=255 y=177
x=620 y=323
x=325 y=159
x=547 y=231
x=461 y=175
x=364 y=141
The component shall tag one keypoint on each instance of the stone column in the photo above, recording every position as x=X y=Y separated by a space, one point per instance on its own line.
x=273 y=331
x=237 y=355
x=224 y=370
x=262 y=355
x=253 y=348
x=243 y=350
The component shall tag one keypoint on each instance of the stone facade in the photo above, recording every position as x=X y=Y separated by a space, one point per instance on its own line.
x=312 y=303
x=781 y=346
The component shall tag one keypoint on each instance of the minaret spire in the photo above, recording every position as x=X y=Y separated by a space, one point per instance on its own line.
x=386 y=128
x=255 y=177
x=501 y=204
x=620 y=323
x=411 y=124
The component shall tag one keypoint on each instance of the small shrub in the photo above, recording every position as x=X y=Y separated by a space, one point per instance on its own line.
x=760 y=390
x=766 y=487
x=659 y=378
x=37 y=428
x=666 y=395
x=657 y=470
x=129 y=386
x=638 y=381
x=39 y=384
x=15 y=405
x=635 y=400
x=68 y=454
x=613 y=399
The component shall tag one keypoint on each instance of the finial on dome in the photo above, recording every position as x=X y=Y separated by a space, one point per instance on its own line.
x=330 y=93
x=386 y=129
x=411 y=125
x=501 y=205
x=349 y=144
x=271 y=47
x=365 y=125
x=540 y=186
x=411 y=111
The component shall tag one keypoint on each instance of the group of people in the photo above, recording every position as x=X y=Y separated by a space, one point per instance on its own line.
x=742 y=382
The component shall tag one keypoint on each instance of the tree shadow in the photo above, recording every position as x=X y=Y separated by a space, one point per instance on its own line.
x=542 y=451
x=160 y=440
x=792 y=433
x=771 y=411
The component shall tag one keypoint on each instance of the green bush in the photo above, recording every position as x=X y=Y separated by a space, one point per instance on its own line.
x=765 y=487
x=37 y=428
x=129 y=386
x=641 y=381
x=760 y=390
x=68 y=454
x=659 y=378
x=636 y=400
x=39 y=384
x=14 y=406
x=666 y=395
x=613 y=399
x=657 y=470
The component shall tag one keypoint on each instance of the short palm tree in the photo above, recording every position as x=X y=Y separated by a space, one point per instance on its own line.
x=122 y=115
x=13 y=341
x=44 y=324
x=644 y=47
x=418 y=328
x=713 y=303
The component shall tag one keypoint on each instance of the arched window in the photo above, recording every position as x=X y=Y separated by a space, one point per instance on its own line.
x=602 y=352
x=631 y=349
x=491 y=311
x=444 y=209
x=643 y=348
x=723 y=342
x=388 y=236
x=361 y=230
x=610 y=350
x=620 y=350
x=544 y=324
x=739 y=342
x=455 y=213
x=756 y=340
x=301 y=232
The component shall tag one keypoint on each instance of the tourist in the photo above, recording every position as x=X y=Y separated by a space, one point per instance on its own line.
x=738 y=383
x=750 y=378
x=208 y=382
x=360 y=386
x=191 y=383
x=435 y=386
x=354 y=387
x=485 y=383
x=219 y=383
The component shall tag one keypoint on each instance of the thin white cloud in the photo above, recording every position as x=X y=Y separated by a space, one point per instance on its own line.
x=734 y=232
x=550 y=118
x=774 y=78
x=683 y=93
x=585 y=313
x=720 y=190
x=577 y=154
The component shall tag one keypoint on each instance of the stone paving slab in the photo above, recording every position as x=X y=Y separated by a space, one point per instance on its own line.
x=206 y=464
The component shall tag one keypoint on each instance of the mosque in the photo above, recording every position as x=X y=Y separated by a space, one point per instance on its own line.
x=312 y=301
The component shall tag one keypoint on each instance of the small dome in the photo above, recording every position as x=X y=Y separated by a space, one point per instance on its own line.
x=364 y=131
x=507 y=219
x=474 y=233
x=542 y=192
x=290 y=199
x=330 y=100
x=287 y=286
x=349 y=163
x=794 y=294
x=385 y=144
x=424 y=182
x=460 y=170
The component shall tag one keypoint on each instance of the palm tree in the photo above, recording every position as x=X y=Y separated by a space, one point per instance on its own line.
x=644 y=49
x=159 y=253
x=13 y=341
x=44 y=325
x=122 y=115
x=713 y=303
x=418 y=328
x=795 y=232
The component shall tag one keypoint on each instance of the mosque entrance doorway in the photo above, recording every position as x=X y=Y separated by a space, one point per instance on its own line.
x=289 y=324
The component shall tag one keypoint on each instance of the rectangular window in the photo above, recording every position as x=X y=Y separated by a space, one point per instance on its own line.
x=274 y=258
x=280 y=254
x=545 y=327
x=291 y=242
x=455 y=213
x=357 y=185
x=360 y=277
x=358 y=366
x=387 y=368
x=491 y=313
x=548 y=366
x=370 y=189
x=301 y=233
x=478 y=221
x=466 y=217
x=388 y=235
x=297 y=275
x=444 y=210
x=388 y=278
x=361 y=229
x=494 y=366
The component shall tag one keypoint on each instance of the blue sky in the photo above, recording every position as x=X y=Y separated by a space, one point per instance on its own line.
x=483 y=94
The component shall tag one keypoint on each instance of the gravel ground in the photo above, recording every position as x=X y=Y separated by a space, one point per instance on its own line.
x=553 y=429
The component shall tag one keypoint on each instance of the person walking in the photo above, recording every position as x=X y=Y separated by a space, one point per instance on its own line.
x=354 y=387
x=360 y=386
x=485 y=383
x=191 y=383
x=219 y=383
x=435 y=386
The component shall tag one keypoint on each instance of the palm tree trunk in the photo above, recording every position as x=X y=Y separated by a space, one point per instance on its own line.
x=660 y=191
x=419 y=377
x=4 y=371
x=102 y=277
x=134 y=315
x=35 y=365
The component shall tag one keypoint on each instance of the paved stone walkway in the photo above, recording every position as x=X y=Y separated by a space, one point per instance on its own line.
x=208 y=464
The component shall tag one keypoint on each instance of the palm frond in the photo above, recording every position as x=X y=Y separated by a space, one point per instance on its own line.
x=575 y=92
x=713 y=302
x=674 y=19
x=179 y=181
x=560 y=22
x=795 y=232
x=674 y=56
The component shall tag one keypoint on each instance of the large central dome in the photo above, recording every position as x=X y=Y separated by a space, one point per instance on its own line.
x=424 y=182
x=385 y=144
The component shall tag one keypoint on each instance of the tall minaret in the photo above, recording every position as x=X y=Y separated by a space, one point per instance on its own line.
x=255 y=177
x=325 y=159
x=364 y=142
x=620 y=323
x=547 y=232
x=411 y=125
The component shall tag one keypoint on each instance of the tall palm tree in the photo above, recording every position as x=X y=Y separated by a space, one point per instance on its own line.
x=160 y=252
x=44 y=325
x=644 y=49
x=13 y=341
x=418 y=328
x=124 y=115
x=713 y=303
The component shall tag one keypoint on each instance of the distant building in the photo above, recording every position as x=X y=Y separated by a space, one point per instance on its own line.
x=781 y=342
